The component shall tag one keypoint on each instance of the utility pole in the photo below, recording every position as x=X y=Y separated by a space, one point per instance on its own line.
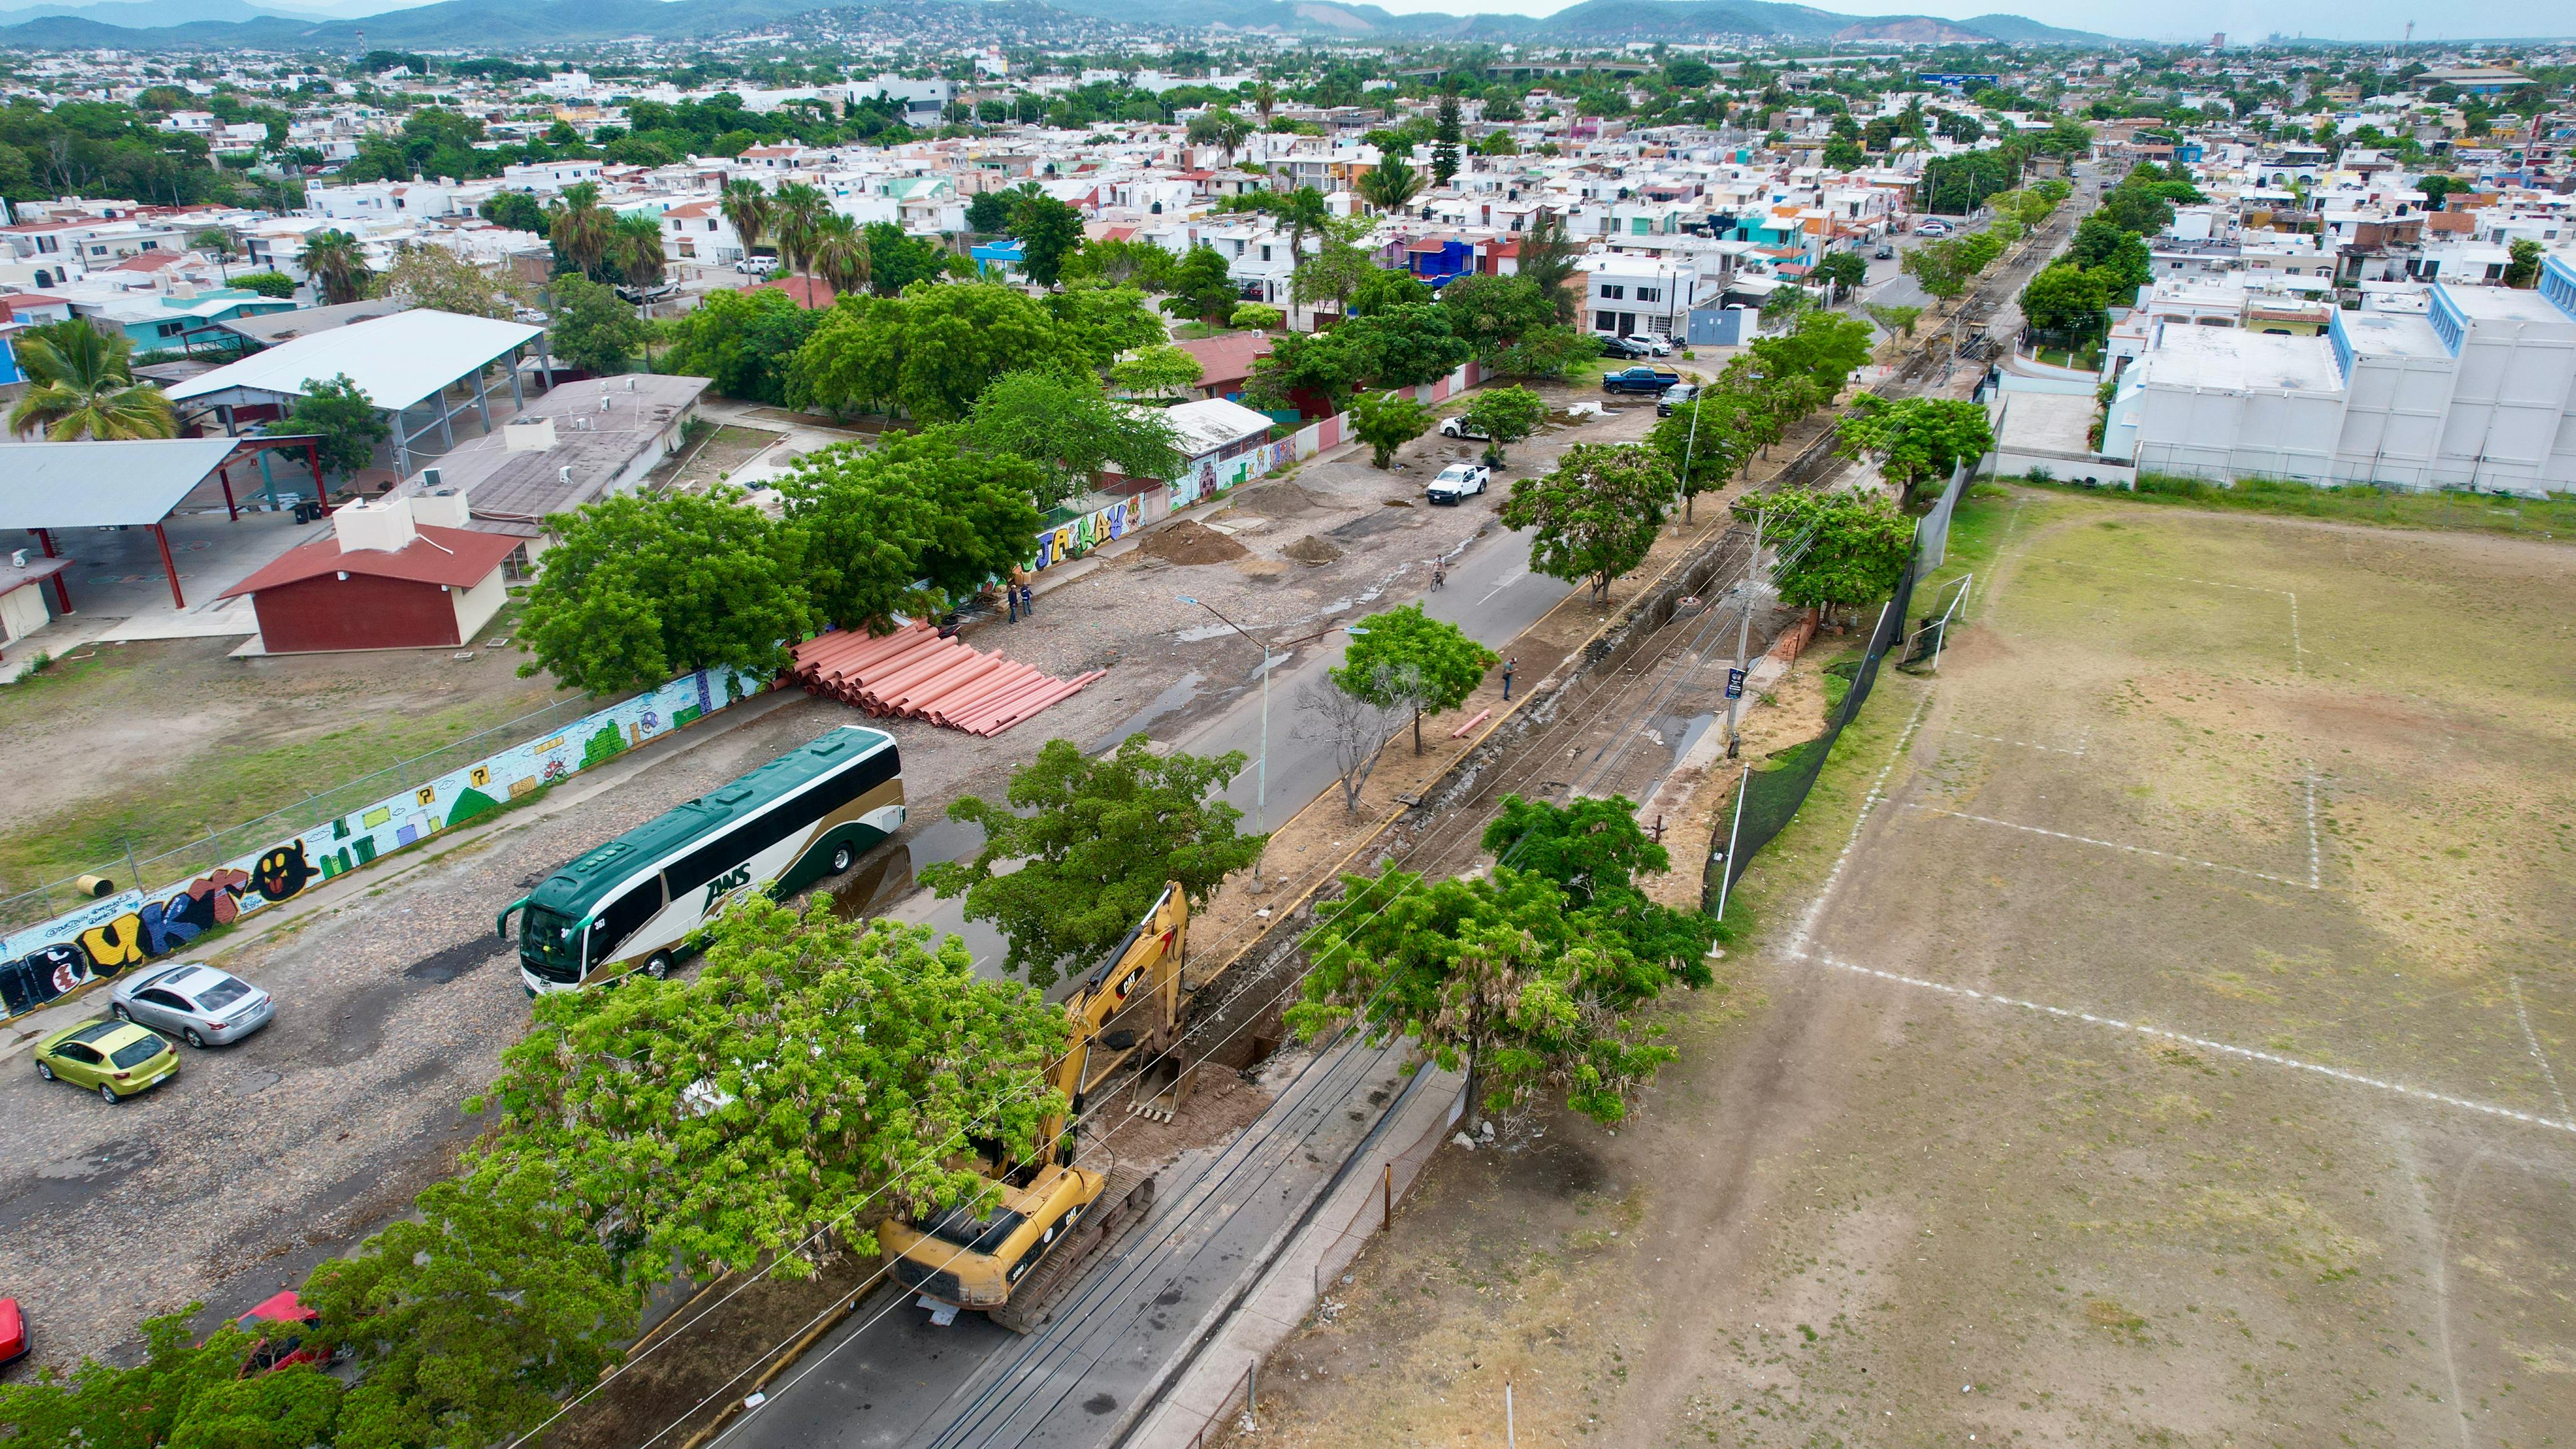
x=1743 y=641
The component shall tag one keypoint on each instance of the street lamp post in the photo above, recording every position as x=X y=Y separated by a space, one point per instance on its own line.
x=1261 y=761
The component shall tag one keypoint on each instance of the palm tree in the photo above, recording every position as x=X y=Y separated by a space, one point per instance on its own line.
x=1392 y=185
x=799 y=221
x=1302 y=213
x=337 y=266
x=1265 y=99
x=746 y=205
x=581 y=228
x=81 y=386
x=1220 y=128
x=841 y=254
x=635 y=244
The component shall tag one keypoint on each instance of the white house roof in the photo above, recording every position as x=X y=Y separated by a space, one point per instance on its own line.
x=1210 y=423
x=398 y=360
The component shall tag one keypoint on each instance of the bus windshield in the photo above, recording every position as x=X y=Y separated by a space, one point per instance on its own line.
x=550 y=945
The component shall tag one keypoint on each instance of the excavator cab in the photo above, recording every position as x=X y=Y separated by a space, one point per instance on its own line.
x=1011 y=1257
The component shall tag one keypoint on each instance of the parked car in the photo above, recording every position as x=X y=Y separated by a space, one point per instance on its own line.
x=1459 y=427
x=1621 y=348
x=1674 y=397
x=1649 y=345
x=1930 y=226
x=13 y=1332
x=1884 y=251
x=281 y=1323
x=1458 y=482
x=199 y=1004
x=117 y=1058
x=1640 y=380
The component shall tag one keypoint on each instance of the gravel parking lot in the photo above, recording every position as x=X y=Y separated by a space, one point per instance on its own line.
x=395 y=999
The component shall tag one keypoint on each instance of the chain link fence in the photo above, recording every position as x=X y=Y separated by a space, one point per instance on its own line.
x=1767 y=800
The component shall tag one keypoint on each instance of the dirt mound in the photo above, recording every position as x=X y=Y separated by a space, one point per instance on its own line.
x=1284 y=500
x=1192 y=542
x=1313 y=550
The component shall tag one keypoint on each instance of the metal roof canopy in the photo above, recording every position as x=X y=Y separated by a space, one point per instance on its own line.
x=124 y=483
x=102 y=484
x=400 y=360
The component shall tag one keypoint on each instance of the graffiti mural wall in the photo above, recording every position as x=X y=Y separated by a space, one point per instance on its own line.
x=108 y=937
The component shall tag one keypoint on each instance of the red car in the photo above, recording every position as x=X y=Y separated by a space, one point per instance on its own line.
x=13 y=1332
x=282 y=1324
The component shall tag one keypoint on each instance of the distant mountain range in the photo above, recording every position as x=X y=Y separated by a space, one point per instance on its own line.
x=518 y=25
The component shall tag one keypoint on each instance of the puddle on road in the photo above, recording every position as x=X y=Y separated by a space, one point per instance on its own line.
x=1181 y=692
x=886 y=875
x=1197 y=632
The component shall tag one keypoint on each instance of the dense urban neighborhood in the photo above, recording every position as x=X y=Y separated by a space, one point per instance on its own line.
x=1119 y=724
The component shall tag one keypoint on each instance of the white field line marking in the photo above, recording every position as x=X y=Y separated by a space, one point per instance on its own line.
x=2107 y=844
x=1816 y=907
x=2016 y=744
x=2315 y=860
x=2532 y=1038
x=2203 y=1043
x=2298 y=652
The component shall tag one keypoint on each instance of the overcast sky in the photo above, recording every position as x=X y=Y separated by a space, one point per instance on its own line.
x=2165 y=19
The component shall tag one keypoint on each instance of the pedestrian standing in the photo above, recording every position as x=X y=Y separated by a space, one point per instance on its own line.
x=1508 y=666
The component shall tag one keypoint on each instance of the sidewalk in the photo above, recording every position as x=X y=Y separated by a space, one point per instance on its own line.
x=1219 y=1378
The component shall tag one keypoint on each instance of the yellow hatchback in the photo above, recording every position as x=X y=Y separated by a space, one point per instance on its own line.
x=115 y=1058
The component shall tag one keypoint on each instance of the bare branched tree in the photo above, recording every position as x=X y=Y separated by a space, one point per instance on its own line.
x=1356 y=729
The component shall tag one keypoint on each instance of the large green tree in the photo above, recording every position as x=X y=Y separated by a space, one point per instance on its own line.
x=1856 y=545
x=1822 y=346
x=1494 y=312
x=183 y=1394
x=1706 y=440
x=1063 y=422
x=813 y=1066
x=1089 y=843
x=1387 y=421
x=1498 y=977
x=1048 y=231
x=591 y=327
x=932 y=351
x=1403 y=658
x=1201 y=288
x=1405 y=345
x=1505 y=415
x=915 y=524
x=640 y=590
x=1595 y=516
x=340 y=413
x=2067 y=302
x=1595 y=852
x=747 y=344
x=1917 y=439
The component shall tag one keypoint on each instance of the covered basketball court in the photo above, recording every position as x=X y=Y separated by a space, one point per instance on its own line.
x=49 y=489
x=422 y=369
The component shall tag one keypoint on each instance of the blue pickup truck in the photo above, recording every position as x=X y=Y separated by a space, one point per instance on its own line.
x=1640 y=379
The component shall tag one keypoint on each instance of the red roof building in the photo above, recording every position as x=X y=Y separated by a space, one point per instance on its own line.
x=809 y=292
x=381 y=580
x=1225 y=361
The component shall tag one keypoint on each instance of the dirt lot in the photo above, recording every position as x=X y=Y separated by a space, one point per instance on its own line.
x=2157 y=1034
x=150 y=745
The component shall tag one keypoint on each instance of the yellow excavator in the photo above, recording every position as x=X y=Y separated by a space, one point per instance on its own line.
x=1014 y=1258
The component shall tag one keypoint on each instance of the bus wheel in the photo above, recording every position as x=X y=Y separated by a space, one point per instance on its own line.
x=658 y=965
x=843 y=858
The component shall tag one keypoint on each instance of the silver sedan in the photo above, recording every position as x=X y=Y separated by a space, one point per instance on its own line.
x=196 y=1003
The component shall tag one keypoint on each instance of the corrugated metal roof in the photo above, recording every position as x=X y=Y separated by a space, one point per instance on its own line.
x=102 y=485
x=914 y=673
x=397 y=360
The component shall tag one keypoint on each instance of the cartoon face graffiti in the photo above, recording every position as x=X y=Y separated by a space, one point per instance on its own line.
x=282 y=872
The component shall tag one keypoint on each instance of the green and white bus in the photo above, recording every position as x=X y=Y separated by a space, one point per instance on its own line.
x=639 y=901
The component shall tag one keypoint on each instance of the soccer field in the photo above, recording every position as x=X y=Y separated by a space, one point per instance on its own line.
x=2222 y=890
